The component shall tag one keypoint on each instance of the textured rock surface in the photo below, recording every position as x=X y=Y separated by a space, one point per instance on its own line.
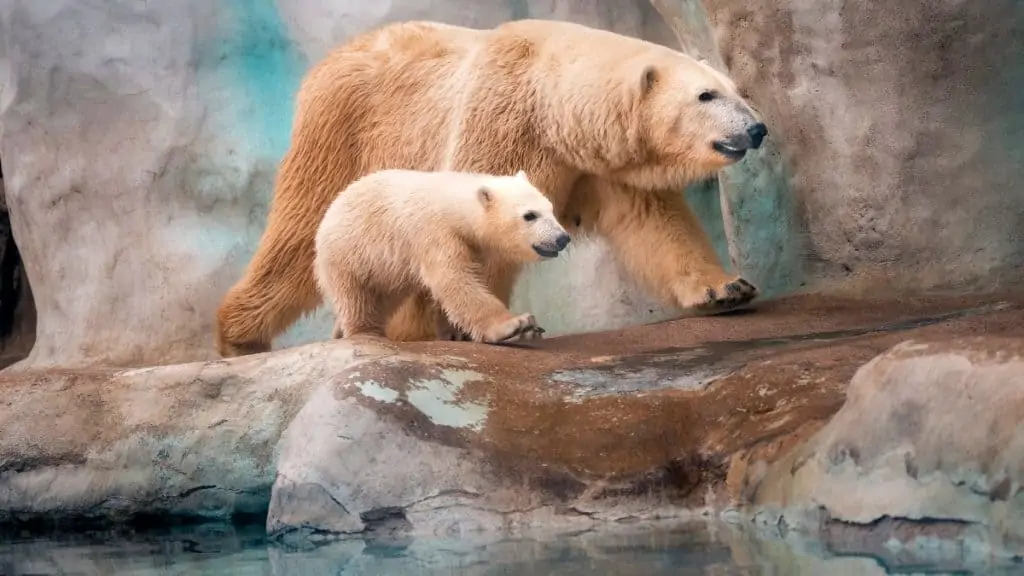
x=184 y=440
x=138 y=170
x=931 y=430
x=447 y=439
x=900 y=127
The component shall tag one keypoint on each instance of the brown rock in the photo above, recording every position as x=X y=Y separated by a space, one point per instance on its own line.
x=635 y=424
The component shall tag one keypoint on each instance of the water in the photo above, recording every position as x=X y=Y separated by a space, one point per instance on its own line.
x=709 y=549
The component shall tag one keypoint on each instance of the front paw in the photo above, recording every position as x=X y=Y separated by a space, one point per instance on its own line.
x=523 y=326
x=720 y=296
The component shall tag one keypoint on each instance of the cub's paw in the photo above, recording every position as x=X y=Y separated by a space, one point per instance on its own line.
x=523 y=326
x=722 y=296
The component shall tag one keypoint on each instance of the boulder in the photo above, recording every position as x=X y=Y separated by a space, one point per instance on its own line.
x=929 y=443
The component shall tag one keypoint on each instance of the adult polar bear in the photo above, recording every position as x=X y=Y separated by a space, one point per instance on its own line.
x=610 y=128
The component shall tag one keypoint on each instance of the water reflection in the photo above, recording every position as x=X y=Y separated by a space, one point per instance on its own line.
x=707 y=549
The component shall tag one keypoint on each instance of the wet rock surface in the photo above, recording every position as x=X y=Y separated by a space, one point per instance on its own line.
x=367 y=438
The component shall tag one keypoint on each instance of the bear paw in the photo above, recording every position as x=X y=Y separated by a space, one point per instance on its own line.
x=523 y=326
x=723 y=296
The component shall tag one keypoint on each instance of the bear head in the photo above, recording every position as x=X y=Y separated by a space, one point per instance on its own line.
x=519 y=221
x=685 y=121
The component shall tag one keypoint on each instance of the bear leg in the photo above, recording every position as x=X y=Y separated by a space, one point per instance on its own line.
x=362 y=311
x=415 y=319
x=466 y=300
x=278 y=286
x=447 y=331
x=659 y=240
x=419 y=317
x=256 y=310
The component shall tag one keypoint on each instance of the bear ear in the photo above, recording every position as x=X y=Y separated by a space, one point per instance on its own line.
x=484 y=195
x=648 y=76
x=522 y=175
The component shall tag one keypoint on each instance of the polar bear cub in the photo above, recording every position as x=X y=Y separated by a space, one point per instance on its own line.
x=395 y=233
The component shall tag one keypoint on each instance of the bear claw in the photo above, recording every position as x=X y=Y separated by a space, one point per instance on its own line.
x=522 y=327
x=731 y=295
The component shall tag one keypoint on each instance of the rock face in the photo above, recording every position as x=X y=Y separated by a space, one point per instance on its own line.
x=445 y=439
x=192 y=440
x=138 y=171
x=931 y=430
x=899 y=130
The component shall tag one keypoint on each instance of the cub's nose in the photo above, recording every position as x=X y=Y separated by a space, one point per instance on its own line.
x=562 y=241
x=757 y=132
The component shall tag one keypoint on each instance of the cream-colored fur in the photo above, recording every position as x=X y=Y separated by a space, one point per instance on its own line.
x=609 y=127
x=396 y=233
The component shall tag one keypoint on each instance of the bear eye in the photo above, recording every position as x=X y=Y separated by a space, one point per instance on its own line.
x=707 y=96
x=530 y=216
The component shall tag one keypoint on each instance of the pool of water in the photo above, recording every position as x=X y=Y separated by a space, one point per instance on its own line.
x=684 y=549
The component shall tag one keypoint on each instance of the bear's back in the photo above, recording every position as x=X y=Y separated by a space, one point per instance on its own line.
x=422 y=202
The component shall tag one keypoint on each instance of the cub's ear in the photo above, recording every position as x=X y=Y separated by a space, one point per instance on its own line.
x=648 y=77
x=522 y=175
x=485 y=196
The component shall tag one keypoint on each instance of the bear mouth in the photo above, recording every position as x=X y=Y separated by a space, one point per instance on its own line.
x=543 y=253
x=729 y=151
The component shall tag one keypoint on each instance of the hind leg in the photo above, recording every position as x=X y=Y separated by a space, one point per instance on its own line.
x=415 y=319
x=275 y=291
x=278 y=285
x=363 y=310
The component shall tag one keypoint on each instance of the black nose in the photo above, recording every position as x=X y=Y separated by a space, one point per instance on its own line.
x=757 y=132
x=562 y=241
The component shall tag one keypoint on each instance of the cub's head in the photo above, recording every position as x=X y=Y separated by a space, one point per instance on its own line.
x=690 y=122
x=519 y=221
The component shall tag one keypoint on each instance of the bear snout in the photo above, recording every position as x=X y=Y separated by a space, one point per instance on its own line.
x=757 y=133
x=551 y=248
x=736 y=146
x=562 y=241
